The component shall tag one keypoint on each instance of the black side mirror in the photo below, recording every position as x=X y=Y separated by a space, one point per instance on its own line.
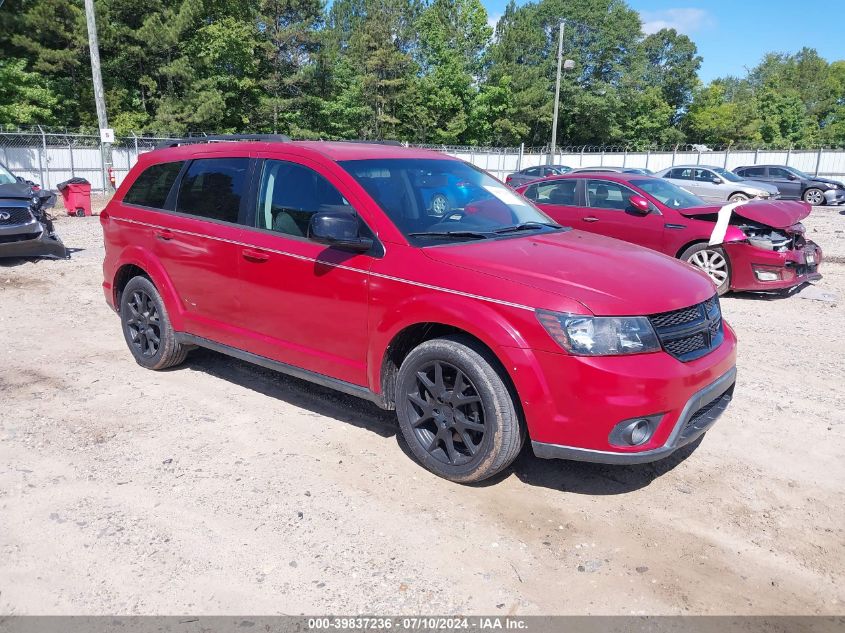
x=791 y=177
x=338 y=229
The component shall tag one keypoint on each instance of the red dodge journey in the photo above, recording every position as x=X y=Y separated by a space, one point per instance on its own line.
x=480 y=320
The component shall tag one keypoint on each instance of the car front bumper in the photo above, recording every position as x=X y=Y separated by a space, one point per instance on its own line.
x=757 y=269
x=572 y=404
x=699 y=413
x=834 y=196
x=30 y=240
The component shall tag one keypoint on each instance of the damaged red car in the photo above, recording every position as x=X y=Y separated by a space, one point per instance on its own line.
x=756 y=245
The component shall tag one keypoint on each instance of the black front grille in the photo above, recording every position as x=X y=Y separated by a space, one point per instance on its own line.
x=701 y=420
x=14 y=215
x=690 y=333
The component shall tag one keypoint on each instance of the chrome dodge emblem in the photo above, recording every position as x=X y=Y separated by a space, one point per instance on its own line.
x=4 y=215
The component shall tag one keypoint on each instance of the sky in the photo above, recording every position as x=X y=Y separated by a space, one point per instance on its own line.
x=734 y=34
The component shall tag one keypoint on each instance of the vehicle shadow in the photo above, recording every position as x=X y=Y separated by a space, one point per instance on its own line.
x=299 y=393
x=564 y=476
x=592 y=479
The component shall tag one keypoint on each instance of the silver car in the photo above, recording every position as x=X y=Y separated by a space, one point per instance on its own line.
x=716 y=184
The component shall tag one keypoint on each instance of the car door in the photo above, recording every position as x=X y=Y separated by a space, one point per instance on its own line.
x=305 y=304
x=559 y=199
x=682 y=177
x=609 y=212
x=787 y=183
x=705 y=188
x=196 y=244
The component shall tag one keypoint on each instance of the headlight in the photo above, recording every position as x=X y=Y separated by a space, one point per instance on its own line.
x=599 y=336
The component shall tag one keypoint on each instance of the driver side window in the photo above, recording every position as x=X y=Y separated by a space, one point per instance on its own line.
x=604 y=194
x=290 y=194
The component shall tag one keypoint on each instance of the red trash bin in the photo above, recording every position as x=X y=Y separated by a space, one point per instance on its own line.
x=76 y=194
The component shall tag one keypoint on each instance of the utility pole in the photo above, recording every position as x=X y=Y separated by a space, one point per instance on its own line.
x=557 y=91
x=99 y=94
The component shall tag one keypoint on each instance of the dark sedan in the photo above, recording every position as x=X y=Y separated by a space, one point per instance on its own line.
x=533 y=173
x=794 y=184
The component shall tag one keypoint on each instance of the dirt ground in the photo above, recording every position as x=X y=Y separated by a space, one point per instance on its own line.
x=222 y=488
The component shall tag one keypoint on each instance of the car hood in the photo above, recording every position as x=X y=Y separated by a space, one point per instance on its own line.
x=827 y=181
x=15 y=190
x=778 y=214
x=607 y=276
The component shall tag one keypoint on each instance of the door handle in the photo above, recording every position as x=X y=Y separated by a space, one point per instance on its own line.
x=252 y=255
x=590 y=219
x=164 y=234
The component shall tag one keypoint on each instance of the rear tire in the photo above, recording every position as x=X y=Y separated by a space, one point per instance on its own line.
x=712 y=260
x=814 y=197
x=147 y=328
x=455 y=410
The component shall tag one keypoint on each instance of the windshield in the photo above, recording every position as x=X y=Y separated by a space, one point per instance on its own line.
x=6 y=177
x=727 y=175
x=435 y=200
x=671 y=195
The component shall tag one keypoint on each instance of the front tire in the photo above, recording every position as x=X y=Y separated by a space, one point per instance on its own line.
x=147 y=328
x=712 y=260
x=814 y=197
x=738 y=197
x=455 y=410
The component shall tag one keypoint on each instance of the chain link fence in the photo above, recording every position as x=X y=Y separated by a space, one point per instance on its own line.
x=49 y=156
x=501 y=161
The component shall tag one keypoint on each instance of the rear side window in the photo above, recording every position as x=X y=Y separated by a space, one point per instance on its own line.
x=754 y=172
x=153 y=186
x=560 y=192
x=213 y=187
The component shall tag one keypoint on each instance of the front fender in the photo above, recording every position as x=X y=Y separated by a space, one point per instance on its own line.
x=495 y=325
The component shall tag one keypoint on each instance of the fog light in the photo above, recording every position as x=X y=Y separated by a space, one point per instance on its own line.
x=765 y=275
x=634 y=432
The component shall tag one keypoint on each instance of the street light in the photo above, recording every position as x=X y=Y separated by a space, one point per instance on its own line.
x=567 y=65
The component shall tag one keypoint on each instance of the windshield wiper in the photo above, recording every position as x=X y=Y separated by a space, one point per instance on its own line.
x=477 y=235
x=527 y=226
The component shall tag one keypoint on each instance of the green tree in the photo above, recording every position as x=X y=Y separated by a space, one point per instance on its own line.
x=25 y=99
x=671 y=65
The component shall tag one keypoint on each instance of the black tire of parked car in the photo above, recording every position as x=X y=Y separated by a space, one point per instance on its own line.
x=708 y=253
x=738 y=197
x=814 y=196
x=147 y=328
x=456 y=411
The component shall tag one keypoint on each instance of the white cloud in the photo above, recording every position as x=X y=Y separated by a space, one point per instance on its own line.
x=682 y=20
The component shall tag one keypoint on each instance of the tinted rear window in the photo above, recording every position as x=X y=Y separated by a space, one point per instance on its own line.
x=153 y=185
x=212 y=188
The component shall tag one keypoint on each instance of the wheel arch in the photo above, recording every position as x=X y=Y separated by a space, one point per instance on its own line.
x=434 y=315
x=138 y=263
x=689 y=244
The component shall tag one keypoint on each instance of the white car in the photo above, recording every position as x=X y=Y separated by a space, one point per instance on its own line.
x=716 y=184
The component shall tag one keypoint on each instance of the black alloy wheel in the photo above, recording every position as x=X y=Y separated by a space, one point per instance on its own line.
x=147 y=328
x=449 y=414
x=457 y=410
x=143 y=324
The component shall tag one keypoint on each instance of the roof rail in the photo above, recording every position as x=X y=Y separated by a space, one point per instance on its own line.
x=194 y=140
x=361 y=140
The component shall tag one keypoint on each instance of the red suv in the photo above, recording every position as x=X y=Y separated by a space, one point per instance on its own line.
x=481 y=325
x=760 y=246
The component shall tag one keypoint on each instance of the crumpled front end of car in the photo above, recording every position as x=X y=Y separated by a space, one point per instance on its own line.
x=773 y=259
x=26 y=230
